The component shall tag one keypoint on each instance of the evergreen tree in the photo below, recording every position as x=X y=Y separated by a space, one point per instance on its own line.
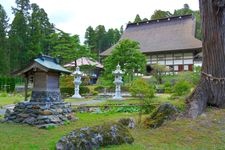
x=90 y=38
x=100 y=38
x=4 y=61
x=18 y=36
x=65 y=46
x=39 y=30
x=137 y=19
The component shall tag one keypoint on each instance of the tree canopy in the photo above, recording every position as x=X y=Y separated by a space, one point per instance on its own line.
x=128 y=55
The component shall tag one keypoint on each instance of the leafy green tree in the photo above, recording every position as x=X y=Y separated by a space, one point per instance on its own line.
x=127 y=53
x=159 y=14
x=4 y=61
x=137 y=19
x=158 y=71
x=68 y=47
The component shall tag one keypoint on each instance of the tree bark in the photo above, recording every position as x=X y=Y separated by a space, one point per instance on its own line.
x=211 y=89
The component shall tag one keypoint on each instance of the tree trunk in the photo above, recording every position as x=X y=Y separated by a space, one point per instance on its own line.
x=211 y=89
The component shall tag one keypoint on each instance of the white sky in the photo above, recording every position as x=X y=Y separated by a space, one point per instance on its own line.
x=74 y=16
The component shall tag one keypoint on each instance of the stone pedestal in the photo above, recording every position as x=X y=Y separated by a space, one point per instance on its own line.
x=41 y=114
x=46 y=96
x=46 y=108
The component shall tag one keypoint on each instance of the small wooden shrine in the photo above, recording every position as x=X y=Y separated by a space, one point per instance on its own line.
x=46 y=106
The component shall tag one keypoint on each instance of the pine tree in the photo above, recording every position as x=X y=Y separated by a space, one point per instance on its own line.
x=4 y=61
x=39 y=31
x=18 y=36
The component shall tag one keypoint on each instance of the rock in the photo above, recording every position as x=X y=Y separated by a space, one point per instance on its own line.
x=128 y=122
x=23 y=115
x=30 y=120
x=46 y=112
x=7 y=113
x=163 y=113
x=91 y=138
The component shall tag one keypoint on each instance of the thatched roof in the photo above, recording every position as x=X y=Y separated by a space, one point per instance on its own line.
x=168 y=34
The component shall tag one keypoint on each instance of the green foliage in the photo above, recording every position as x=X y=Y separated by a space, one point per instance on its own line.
x=99 y=39
x=4 y=55
x=168 y=87
x=40 y=30
x=99 y=88
x=130 y=109
x=127 y=54
x=7 y=84
x=66 y=81
x=158 y=71
x=182 y=87
x=159 y=14
x=141 y=88
x=137 y=19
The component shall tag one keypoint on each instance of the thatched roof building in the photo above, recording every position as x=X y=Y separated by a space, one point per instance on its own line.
x=163 y=35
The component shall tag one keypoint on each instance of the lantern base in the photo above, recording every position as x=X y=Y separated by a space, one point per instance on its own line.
x=76 y=96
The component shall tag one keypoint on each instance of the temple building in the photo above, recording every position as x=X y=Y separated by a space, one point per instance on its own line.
x=168 y=41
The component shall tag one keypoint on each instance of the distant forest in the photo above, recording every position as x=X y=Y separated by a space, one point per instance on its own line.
x=31 y=34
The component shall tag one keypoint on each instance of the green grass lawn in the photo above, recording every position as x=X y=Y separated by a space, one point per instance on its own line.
x=5 y=100
x=205 y=132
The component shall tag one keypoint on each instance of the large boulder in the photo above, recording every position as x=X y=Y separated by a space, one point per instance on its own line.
x=91 y=138
x=161 y=114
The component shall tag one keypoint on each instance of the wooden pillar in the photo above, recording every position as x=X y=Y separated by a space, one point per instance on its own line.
x=26 y=86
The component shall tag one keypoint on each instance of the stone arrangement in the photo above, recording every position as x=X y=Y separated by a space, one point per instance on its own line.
x=92 y=138
x=118 y=82
x=77 y=81
x=40 y=114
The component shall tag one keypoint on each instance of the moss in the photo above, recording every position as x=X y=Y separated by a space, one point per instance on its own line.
x=160 y=115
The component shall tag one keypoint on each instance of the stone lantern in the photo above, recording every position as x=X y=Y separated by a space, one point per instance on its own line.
x=77 y=81
x=45 y=107
x=118 y=81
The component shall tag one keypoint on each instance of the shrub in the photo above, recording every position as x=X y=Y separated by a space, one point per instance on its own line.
x=182 y=88
x=85 y=80
x=168 y=88
x=94 y=93
x=142 y=89
x=67 y=92
x=66 y=81
x=84 y=90
x=99 y=88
